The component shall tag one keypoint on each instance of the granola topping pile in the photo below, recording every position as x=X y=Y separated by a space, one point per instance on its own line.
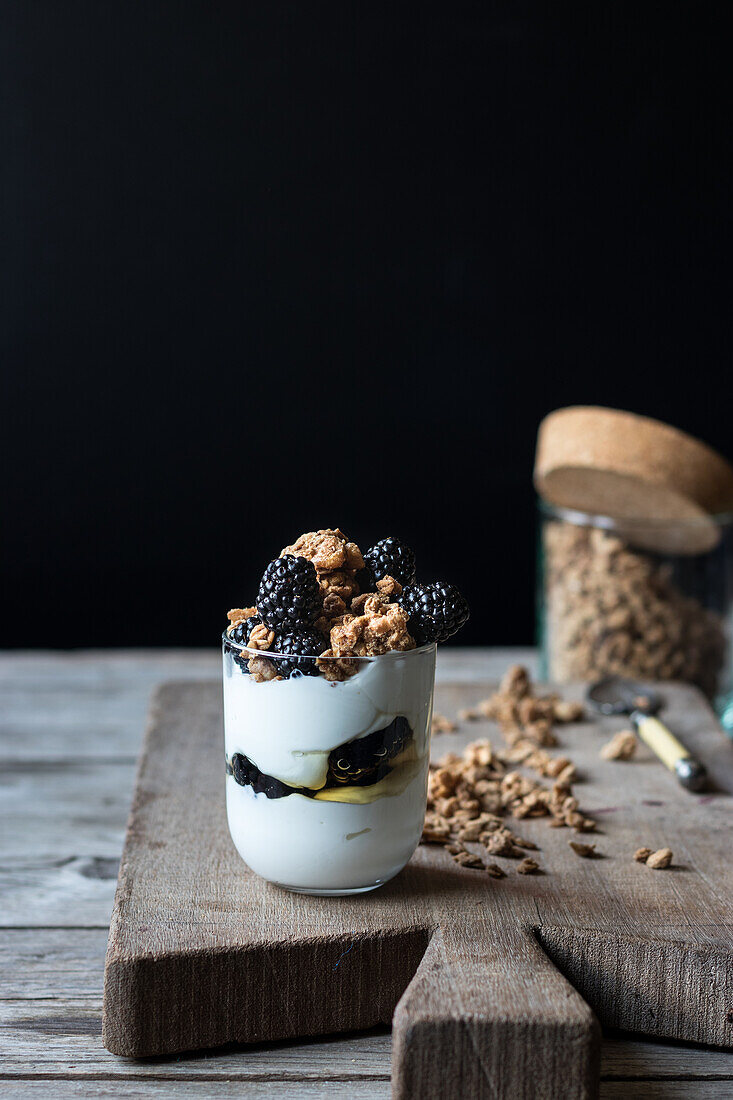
x=323 y=605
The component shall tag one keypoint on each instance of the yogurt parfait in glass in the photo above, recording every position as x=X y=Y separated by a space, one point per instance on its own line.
x=328 y=694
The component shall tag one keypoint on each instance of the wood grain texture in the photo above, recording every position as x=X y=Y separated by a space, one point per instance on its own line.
x=216 y=1089
x=61 y=821
x=305 y=1089
x=62 y=891
x=50 y=964
x=202 y=952
x=313 y=1090
x=51 y=1013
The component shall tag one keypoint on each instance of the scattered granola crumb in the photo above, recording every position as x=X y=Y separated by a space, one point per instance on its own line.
x=333 y=607
x=436 y=832
x=468 y=859
x=568 y=712
x=441 y=724
x=641 y=855
x=494 y=870
x=586 y=851
x=622 y=746
x=468 y=714
x=502 y=843
x=660 y=859
x=528 y=866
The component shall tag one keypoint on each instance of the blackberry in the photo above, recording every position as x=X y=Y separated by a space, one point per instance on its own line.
x=365 y=760
x=241 y=635
x=436 y=611
x=389 y=556
x=289 y=593
x=300 y=648
x=247 y=774
x=243 y=631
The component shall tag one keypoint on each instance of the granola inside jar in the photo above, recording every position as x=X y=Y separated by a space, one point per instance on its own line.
x=634 y=599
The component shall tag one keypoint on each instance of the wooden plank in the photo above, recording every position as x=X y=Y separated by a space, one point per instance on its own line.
x=64 y=1037
x=62 y=827
x=628 y=1059
x=76 y=808
x=51 y=963
x=666 y=1090
x=310 y=1090
x=90 y=705
x=65 y=891
x=93 y=705
x=61 y=1035
x=346 y=1089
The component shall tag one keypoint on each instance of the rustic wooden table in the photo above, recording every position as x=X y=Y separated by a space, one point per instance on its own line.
x=71 y=726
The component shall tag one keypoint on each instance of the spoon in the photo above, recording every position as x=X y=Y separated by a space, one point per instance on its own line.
x=615 y=695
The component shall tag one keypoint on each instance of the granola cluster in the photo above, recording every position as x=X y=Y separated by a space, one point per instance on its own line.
x=622 y=746
x=324 y=607
x=328 y=549
x=336 y=561
x=374 y=626
x=262 y=669
x=658 y=861
x=614 y=610
x=471 y=796
x=525 y=719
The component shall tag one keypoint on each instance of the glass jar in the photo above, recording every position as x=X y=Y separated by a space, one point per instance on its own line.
x=649 y=600
x=327 y=780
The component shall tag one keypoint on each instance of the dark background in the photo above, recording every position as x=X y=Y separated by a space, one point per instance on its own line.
x=273 y=267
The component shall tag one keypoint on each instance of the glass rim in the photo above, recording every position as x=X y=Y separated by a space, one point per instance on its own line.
x=227 y=642
x=580 y=518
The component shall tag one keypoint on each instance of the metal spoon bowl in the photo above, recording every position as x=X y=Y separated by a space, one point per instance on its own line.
x=615 y=695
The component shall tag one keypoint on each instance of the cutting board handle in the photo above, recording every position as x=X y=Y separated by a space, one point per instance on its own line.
x=470 y=1015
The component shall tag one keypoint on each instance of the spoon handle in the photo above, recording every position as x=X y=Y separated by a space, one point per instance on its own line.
x=673 y=754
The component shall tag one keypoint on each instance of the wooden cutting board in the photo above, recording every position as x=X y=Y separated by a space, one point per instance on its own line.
x=495 y=987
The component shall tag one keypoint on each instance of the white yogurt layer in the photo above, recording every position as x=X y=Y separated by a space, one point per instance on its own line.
x=344 y=838
x=288 y=727
x=313 y=845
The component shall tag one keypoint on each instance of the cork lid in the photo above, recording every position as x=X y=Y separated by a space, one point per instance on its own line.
x=668 y=484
